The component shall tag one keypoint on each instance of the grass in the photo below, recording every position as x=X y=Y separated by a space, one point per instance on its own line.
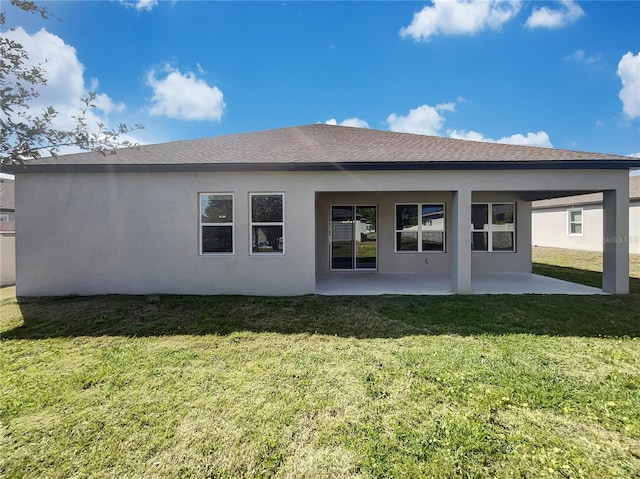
x=572 y=265
x=456 y=386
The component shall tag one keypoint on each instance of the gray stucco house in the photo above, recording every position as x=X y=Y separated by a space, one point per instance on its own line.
x=7 y=232
x=575 y=222
x=268 y=213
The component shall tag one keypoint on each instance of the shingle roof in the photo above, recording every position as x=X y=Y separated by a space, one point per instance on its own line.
x=7 y=194
x=321 y=146
x=591 y=198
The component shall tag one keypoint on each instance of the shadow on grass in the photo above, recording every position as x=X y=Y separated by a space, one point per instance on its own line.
x=574 y=275
x=359 y=317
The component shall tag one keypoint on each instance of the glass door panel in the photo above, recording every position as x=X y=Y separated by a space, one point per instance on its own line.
x=342 y=237
x=353 y=237
x=366 y=237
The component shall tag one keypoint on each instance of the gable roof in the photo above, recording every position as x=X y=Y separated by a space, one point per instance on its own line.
x=588 y=199
x=325 y=147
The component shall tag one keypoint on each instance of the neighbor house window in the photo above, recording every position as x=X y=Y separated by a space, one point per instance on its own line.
x=267 y=223
x=574 y=227
x=4 y=217
x=420 y=227
x=493 y=227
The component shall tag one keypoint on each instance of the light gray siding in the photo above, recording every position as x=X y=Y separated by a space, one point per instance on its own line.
x=550 y=228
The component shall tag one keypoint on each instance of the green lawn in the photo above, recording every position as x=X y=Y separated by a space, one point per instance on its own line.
x=455 y=386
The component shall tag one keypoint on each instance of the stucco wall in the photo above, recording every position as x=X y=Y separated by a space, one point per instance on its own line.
x=549 y=228
x=137 y=233
x=390 y=261
x=7 y=260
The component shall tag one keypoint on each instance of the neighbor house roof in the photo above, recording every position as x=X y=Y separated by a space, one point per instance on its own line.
x=325 y=147
x=588 y=199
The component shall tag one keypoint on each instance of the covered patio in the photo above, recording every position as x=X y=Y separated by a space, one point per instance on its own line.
x=373 y=283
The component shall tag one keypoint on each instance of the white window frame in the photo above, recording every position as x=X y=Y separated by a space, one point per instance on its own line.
x=228 y=224
x=489 y=229
x=420 y=230
x=570 y=222
x=4 y=217
x=261 y=223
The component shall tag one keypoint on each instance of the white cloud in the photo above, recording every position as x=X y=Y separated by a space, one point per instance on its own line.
x=540 y=138
x=454 y=17
x=634 y=155
x=424 y=120
x=530 y=139
x=451 y=106
x=429 y=120
x=140 y=4
x=577 y=56
x=468 y=135
x=629 y=73
x=65 y=80
x=545 y=17
x=184 y=96
x=106 y=104
x=355 y=122
x=580 y=56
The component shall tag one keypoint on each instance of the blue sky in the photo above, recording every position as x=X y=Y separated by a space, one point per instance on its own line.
x=561 y=74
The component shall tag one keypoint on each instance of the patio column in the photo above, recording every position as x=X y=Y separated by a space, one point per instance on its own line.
x=461 y=244
x=615 y=258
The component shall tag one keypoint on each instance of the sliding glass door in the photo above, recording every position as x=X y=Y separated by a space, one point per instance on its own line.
x=353 y=237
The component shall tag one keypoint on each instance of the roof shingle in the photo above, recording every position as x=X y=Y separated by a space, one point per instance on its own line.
x=321 y=144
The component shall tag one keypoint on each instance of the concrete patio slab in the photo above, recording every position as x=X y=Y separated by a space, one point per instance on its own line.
x=350 y=283
x=526 y=283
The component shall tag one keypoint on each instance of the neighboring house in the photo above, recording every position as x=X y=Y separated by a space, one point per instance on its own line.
x=7 y=232
x=576 y=222
x=264 y=213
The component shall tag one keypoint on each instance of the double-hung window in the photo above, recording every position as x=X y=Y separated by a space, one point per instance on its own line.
x=420 y=227
x=216 y=223
x=574 y=222
x=493 y=227
x=267 y=223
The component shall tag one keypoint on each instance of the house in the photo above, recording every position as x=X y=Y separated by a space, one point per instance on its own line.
x=275 y=213
x=7 y=232
x=575 y=222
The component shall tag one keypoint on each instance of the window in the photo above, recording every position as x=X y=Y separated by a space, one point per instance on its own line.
x=267 y=223
x=4 y=217
x=420 y=227
x=493 y=226
x=216 y=223
x=574 y=226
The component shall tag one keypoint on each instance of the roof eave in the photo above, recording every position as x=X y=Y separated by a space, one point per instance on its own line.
x=322 y=166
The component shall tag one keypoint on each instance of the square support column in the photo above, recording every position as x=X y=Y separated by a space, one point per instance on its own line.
x=615 y=258
x=461 y=244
